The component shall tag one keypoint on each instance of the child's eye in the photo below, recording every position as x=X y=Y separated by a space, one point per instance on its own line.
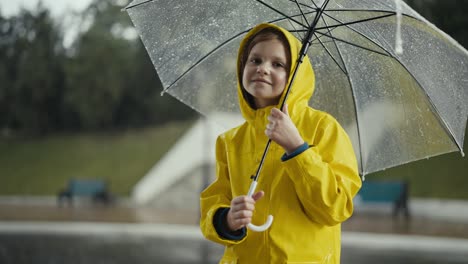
x=255 y=60
x=278 y=64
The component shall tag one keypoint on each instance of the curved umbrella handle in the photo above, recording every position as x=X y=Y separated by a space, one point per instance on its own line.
x=269 y=221
x=263 y=227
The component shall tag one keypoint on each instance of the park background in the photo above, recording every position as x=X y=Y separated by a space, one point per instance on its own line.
x=79 y=97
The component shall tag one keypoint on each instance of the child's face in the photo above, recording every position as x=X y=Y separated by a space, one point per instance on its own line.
x=265 y=73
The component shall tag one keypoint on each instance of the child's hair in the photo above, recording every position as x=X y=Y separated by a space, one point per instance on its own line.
x=263 y=35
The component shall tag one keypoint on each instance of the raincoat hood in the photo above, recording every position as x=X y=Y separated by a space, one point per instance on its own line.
x=302 y=87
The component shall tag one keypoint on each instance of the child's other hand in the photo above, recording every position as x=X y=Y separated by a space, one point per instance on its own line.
x=241 y=211
x=282 y=130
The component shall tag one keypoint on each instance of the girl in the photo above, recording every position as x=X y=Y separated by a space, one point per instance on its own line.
x=309 y=177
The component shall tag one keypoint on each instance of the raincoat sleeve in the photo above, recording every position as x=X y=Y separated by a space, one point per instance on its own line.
x=325 y=175
x=217 y=196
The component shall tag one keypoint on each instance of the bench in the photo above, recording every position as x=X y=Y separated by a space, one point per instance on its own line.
x=96 y=189
x=393 y=192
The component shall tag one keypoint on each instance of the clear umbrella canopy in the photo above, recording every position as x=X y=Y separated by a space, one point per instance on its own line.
x=396 y=108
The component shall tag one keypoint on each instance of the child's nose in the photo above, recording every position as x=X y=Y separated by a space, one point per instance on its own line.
x=262 y=68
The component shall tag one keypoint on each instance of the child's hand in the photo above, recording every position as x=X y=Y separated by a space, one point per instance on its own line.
x=282 y=130
x=241 y=211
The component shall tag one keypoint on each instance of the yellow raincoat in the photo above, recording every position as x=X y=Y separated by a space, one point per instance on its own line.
x=308 y=195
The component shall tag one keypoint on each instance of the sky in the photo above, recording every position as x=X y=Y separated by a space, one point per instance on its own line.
x=58 y=10
x=57 y=7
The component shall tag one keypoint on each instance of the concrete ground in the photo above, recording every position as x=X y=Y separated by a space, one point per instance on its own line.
x=37 y=230
x=448 y=218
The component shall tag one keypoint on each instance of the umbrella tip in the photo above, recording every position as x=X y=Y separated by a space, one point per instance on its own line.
x=399 y=46
x=398 y=39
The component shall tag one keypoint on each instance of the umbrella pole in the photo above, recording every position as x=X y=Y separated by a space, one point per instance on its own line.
x=305 y=47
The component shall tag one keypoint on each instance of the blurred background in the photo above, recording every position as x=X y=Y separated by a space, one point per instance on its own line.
x=80 y=99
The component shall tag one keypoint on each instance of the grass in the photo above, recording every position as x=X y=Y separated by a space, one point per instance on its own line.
x=444 y=176
x=43 y=166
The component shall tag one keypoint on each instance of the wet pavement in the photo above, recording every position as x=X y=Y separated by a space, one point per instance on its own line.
x=122 y=233
x=115 y=243
x=372 y=222
x=124 y=249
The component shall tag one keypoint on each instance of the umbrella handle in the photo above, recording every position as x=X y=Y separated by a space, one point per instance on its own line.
x=263 y=227
x=269 y=221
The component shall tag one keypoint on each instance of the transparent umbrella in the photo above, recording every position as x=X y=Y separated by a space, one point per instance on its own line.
x=396 y=107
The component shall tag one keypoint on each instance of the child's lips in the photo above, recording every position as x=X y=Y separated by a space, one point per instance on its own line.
x=261 y=81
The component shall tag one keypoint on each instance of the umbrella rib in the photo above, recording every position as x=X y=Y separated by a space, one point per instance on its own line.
x=361 y=10
x=308 y=6
x=331 y=56
x=358 y=128
x=203 y=58
x=364 y=36
x=220 y=46
x=315 y=5
x=296 y=30
x=354 y=22
x=290 y=18
x=334 y=42
x=281 y=13
x=135 y=5
x=353 y=44
x=442 y=122
x=302 y=13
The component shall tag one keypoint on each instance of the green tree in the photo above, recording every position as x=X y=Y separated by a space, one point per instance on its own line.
x=96 y=73
x=142 y=103
x=31 y=72
x=110 y=79
x=449 y=16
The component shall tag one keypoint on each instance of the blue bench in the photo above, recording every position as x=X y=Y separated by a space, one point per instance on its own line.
x=394 y=192
x=96 y=189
